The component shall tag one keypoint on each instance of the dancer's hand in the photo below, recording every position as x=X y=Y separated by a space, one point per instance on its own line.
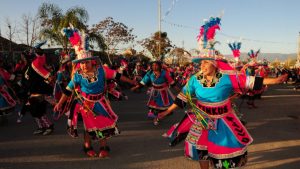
x=50 y=80
x=136 y=83
x=168 y=111
x=134 y=88
x=163 y=114
x=57 y=107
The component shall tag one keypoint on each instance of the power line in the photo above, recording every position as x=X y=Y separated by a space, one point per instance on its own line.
x=229 y=36
x=178 y=25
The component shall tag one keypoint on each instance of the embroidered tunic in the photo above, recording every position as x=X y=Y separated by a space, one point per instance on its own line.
x=98 y=117
x=224 y=137
x=160 y=95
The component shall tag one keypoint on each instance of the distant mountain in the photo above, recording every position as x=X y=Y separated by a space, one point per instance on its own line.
x=269 y=56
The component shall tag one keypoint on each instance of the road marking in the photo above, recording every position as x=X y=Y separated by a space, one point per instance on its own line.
x=276 y=96
x=284 y=89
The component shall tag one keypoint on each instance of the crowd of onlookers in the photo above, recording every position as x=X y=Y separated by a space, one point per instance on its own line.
x=293 y=75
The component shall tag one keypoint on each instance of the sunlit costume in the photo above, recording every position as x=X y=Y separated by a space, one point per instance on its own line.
x=212 y=130
x=100 y=121
x=160 y=95
x=251 y=70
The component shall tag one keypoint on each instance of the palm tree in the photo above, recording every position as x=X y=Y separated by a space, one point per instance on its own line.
x=54 y=20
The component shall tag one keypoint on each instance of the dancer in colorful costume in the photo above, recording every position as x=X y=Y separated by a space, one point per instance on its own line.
x=7 y=97
x=23 y=85
x=160 y=95
x=63 y=75
x=250 y=70
x=88 y=84
x=114 y=92
x=235 y=48
x=40 y=80
x=70 y=108
x=138 y=72
x=216 y=135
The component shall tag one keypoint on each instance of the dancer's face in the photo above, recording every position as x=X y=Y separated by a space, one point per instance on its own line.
x=86 y=66
x=208 y=68
x=155 y=67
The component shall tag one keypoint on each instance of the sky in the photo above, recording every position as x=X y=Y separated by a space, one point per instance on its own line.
x=270 y=25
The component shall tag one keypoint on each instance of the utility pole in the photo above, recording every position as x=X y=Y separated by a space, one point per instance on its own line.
x=9 y=27
x=298 y=58
x=159 y=28
x=297 y=65
x=1 y=41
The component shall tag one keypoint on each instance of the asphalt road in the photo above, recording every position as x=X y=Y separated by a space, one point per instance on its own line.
x=274 y=125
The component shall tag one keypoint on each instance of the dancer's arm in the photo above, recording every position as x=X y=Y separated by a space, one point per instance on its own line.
x=146 y=80
x=127 y=80
x=168 y=111
x=280 y=79
x=62 y=100
x=113 y=74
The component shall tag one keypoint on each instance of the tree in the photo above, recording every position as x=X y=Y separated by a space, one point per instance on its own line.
x=158 y=44
x=275 y=63
x=31 y=28
x=142 y=58
x=10 y=34
x=54 y=20
x=114 y=33
x=290 y=62
x=129 y=52
x=181 y=55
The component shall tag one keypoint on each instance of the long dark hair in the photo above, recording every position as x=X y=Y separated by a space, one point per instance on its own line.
x=159 y=63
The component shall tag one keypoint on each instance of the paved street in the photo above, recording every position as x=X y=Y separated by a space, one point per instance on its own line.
x=274 y=125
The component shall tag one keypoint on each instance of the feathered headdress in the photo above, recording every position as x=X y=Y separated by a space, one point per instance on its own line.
x=79 y=43
x=235 y=48
x=206 y=40
x=37 y=47
x=208 y=32
x=253 y=54
x=40 y=44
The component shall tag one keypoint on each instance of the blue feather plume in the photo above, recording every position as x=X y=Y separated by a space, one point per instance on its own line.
x=234 y=45
x=38 y=45
x=230 y=45
x=239 y=44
